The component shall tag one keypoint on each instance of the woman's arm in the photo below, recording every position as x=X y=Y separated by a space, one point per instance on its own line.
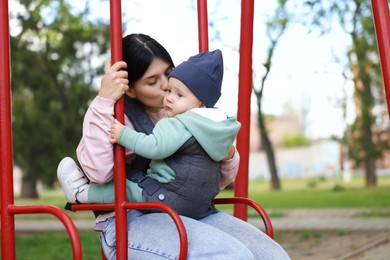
x=229 y=168
x=95 y=152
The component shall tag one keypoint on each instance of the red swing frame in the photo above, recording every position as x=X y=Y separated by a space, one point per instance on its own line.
x=8 y=209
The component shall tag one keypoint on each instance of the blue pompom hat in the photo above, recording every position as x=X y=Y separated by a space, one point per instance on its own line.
x=202 y=74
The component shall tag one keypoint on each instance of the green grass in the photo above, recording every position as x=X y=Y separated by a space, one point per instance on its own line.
x=325 y=193
x=296 y=193
x=55 y=246
x=51 y=197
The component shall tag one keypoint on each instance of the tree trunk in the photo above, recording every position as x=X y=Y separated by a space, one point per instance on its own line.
x=267 y=146
x=29 y=189
x=370 y=173
x=363 y=70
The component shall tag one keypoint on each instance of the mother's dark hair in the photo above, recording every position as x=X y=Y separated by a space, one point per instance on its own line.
x=139 y=50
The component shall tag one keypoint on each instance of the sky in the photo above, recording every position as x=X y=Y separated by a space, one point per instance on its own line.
x=304 y=74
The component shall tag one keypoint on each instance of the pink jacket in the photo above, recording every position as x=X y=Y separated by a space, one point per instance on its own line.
x=95 y=152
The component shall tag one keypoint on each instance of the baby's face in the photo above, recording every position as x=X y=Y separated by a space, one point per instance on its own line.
x=179 y=98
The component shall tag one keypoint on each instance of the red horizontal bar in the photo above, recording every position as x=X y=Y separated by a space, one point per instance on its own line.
x=93 y=206
x=61 y=215
x=146 y=205
x=241 y=200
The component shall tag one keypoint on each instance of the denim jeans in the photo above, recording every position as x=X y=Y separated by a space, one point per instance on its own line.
x=218 y=236
x=259 y=243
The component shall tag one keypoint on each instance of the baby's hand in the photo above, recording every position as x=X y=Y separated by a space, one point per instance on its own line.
x=116 y=130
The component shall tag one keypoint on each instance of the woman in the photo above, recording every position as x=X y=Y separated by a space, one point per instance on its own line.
x=144 y=77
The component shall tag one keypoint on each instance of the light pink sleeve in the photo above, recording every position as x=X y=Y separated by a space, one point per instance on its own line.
x=94 y=152
x=229 y=170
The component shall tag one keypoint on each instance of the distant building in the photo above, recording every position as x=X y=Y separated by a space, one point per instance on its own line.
x=321 y=158
x=277 y=127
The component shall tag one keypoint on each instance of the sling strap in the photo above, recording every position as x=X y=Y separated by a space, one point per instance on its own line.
x=149 y=185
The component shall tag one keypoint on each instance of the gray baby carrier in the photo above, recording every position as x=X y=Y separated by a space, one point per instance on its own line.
x=196 y=184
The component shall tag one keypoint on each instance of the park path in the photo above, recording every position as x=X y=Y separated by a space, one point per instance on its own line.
x=296 y=219
x=328 y=219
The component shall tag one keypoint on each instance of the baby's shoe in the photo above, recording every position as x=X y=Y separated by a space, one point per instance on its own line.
x=72 y=180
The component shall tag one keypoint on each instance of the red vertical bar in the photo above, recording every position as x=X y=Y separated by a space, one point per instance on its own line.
x=380 y=10
x=244 y=97
x=119 y=152
x=6 y=159
x=203 y=33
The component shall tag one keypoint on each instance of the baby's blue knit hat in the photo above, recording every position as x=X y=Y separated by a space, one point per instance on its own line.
x=202 y=74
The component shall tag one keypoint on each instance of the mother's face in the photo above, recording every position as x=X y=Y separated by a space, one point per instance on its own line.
x=149 y=89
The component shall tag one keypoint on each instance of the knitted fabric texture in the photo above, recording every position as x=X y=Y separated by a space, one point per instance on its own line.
x=202 y=74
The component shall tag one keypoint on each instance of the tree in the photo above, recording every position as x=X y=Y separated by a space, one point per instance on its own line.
x=366 y=145
x=56 y=54
x=276 y=26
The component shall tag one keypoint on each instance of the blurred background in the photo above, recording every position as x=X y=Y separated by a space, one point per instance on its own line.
x=318 y=103
x=319 y=120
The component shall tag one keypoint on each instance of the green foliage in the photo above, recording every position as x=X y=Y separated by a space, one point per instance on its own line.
x=366 y=140
x=290 y=140
x=54 y=61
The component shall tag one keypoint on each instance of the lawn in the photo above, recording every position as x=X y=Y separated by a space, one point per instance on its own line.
x=55 y=246
x=320 y=193
x=295 y=193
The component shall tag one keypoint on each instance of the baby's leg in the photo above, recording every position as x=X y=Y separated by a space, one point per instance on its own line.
x=105 y=193
x=78 y=189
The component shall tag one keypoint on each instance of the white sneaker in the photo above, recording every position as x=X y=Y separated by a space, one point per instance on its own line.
x=72 y=179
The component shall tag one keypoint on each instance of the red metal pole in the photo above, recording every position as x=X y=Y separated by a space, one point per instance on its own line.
x=175 y=217
x=61 y=215
x=147 y=205
x=6 y=158
x=119 y=152
x=263 y=214
x=244 y=97
x=203 y=33
x=380 y=11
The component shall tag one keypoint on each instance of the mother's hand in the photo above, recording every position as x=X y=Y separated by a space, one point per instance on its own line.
x=114 y=82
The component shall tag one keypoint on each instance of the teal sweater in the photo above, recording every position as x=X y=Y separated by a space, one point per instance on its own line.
x=214 y=135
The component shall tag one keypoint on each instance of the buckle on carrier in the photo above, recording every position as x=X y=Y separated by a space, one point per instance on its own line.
x=148 y=184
